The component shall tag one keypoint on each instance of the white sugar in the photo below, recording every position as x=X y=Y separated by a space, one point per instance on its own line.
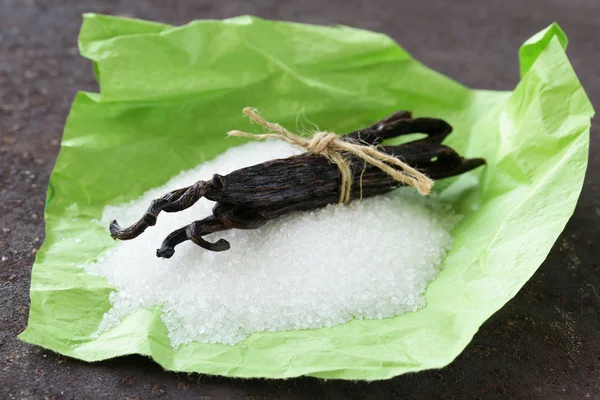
x=306 y=270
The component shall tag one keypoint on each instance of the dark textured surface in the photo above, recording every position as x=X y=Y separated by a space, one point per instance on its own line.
x=544 y=344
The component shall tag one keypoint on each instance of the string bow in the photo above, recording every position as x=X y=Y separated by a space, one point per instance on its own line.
x=329 y=145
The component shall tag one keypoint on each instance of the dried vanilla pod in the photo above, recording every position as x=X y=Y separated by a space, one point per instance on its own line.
x=249 y=197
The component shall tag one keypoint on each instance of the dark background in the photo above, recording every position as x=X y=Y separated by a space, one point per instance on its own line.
x=544 y=344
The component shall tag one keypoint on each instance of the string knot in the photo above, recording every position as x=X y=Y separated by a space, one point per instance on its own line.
x=329 y=145
x=322 y=142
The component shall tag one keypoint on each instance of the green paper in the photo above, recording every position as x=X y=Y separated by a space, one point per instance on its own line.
x=169 y=95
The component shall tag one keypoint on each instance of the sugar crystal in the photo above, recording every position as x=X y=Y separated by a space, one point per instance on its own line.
x=372 y=259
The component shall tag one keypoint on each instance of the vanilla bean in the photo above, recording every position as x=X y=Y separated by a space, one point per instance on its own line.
x=249 y=197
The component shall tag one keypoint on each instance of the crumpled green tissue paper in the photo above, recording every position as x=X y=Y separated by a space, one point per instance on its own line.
x=168 y=95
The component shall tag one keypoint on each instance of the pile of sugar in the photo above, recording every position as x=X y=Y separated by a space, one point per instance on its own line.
x=306 y=270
